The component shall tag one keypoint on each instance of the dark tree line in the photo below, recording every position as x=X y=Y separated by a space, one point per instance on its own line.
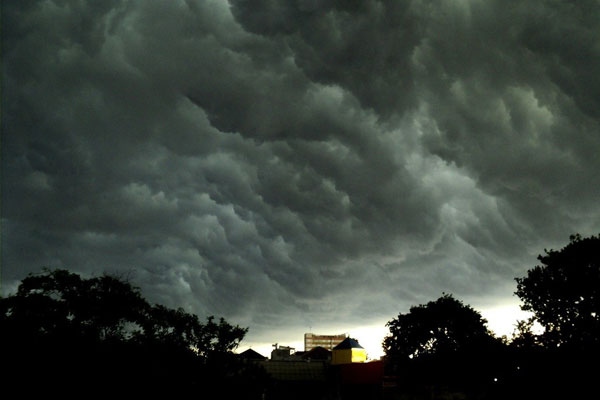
x=65 y=335
x=443 y=349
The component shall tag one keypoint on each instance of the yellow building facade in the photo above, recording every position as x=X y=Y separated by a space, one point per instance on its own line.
x=347 y=352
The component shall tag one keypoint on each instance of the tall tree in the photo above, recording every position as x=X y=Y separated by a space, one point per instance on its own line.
x=443 y=349
x=440 y=327
x=564 y=293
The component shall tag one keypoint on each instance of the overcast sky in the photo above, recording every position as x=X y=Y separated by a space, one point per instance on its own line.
x=294 y=165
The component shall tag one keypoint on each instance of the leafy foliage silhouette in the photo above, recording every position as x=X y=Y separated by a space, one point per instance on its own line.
x=69 y=335
x=440 y=327
x=443 y=350
x=443 y=344
x=564 y=294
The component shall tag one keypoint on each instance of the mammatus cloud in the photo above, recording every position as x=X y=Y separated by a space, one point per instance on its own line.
x=298 y=163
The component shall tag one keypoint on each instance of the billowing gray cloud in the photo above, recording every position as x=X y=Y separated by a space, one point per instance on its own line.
x=295 y=163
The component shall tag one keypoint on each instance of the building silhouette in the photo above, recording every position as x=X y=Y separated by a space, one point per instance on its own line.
x=282 y=353
x=339 y=373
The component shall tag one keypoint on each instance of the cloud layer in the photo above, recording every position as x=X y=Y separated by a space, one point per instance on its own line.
x=296 y=163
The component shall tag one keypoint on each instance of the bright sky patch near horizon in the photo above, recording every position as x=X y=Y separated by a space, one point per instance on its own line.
x=501 y=320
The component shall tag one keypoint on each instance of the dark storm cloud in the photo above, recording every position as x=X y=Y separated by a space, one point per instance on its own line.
x=508 y=91
x=298 y=162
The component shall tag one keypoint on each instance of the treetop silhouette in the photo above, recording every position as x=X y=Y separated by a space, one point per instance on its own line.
x=71 y=335
x=440 y=327
x=564 y=293
x=61 y=303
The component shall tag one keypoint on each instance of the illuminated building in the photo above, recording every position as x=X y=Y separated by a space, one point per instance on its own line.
x=326 y=341
x=348 y=351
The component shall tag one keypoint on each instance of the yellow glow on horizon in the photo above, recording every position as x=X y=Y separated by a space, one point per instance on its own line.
x=501 y=321
x=370 y=337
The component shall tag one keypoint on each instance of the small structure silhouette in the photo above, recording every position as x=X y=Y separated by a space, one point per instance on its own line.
x=252 y=355
x=281 y=353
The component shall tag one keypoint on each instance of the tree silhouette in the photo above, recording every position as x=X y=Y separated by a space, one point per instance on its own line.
x=70 y=334
x=60 y=303
x=564 y=294
x=524 y=337
x=443 y=349
x=440 y=327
